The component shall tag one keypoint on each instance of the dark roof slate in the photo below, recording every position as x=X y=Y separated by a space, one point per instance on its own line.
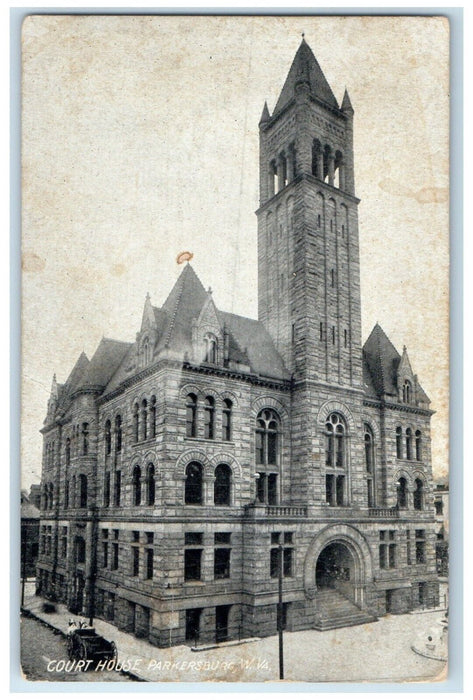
x=382 y=360
x=305 y=68
x=257 y=345
x=104 y=363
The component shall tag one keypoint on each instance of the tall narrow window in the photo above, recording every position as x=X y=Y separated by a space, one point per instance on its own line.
x=85 y=438
x=68 y=451
x=335 y=441
x=399 y=442
x=267 y=437
x=193 y=486
x=209 y=418
x=369 y=464
x=106 y=490
x=136 y=422
x=136 y=483
x=419 y=495
x=227 y=420
x=333 y=335
x=408 y=443
x=151 y=485
x=210 y=349
x=418 y=446
x=345 y=337
x=117 y=488
x=191 y=415
x=222 y=485
x=406 y=391
x=82 y=491
x=66 y=495
x=144 y=419
x=402 y=493
x=152 y=417
x=108 y=437
x=332 y=278
x=118 y=433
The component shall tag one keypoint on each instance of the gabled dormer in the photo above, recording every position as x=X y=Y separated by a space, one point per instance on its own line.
x=409 y=390
x=148 y=336
x=208 y=335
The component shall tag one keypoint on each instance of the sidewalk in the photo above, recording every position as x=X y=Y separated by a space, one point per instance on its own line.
x=377 y=652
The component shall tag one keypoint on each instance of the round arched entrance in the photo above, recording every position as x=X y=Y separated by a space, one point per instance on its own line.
x=335 y=568
x=338 y=557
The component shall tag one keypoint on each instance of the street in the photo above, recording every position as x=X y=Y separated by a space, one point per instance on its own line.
x=41 y=646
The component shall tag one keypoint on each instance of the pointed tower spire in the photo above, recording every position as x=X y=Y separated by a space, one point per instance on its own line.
x=346 y=103
x=265 y=117
x=54 y=390
x=305 y=69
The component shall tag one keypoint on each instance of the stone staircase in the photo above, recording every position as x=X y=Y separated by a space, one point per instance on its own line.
x=335 y=610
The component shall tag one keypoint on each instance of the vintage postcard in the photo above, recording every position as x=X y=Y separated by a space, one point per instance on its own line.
x=234 y=348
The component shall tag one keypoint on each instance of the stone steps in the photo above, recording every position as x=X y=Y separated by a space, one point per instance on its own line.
x=335 y=610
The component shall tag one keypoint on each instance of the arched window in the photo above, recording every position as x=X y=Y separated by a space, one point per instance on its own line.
x=227 y=420
x=136 y=483
x=85 y=438
x=209 y=418
x=210 y=349
x=408 y=443
x=418 y=446
x=191 y=415
x=419 y=495
x=399 y=442
x=369 y=464
x=136 y=422
x=222 y=485
x=406 y=391
x=108 y=437
x=82 y=491
x=68 y=451
x=335 y=437
x=151 y=485
x=144 y=419
x=193 y=486
x=146 y=352
x=118 y=433
x=267 y=437
x=152 y=417
x=402 y=493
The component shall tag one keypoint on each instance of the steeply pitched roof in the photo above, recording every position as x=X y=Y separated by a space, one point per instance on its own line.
x=381 y=363
x=382 y=360
x=104 y=363
x=257 y=345
x=182 y=306
x=305 y=68
x=66 y=390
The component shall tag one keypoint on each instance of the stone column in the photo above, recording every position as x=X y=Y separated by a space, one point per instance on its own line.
x=331 y=168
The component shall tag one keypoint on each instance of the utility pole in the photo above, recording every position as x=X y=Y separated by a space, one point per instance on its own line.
x=280 y=614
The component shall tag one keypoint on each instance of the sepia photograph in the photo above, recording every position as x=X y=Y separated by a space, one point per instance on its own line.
x=235 y=348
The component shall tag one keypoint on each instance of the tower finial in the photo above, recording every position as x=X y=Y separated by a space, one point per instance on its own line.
x=303 y=35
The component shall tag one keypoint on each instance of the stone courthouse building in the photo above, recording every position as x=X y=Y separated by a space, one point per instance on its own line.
x=178 y=468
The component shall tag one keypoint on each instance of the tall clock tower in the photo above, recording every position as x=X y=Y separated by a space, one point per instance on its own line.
x=308 y=256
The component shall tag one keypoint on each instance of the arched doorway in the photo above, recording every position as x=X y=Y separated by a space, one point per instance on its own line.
x=335 y=569
x=335 y=553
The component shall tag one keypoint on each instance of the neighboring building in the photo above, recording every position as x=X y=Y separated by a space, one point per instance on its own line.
x=35 y=495
x=29 y=536
x=176 y=467
x=441 y=527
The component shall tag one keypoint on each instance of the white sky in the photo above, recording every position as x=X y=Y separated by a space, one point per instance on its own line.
x=140 y=140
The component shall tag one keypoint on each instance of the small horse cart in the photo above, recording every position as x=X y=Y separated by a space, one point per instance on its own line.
x=84 y=644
